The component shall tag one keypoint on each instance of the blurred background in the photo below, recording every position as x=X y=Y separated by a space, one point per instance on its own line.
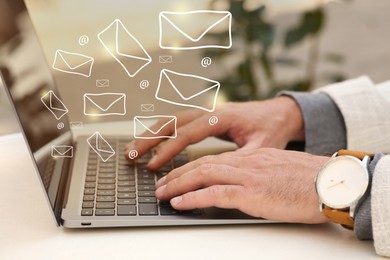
x=277 y=45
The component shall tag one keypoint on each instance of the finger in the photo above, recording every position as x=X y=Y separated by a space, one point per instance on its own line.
x=190 y=133
x=221 y=196
x=205 y=175
x=227 y=159
x=144 y=145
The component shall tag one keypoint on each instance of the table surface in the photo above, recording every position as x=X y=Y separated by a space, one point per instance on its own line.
x=27 y=230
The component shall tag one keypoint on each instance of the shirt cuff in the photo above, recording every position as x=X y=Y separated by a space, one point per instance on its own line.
x=325 y=131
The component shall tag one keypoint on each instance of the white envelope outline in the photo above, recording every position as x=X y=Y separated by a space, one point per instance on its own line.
x=86 y=62
x=216 y=85
x=50 y=106
x=105 y=111
x=224 y=14
x=93 y=142
x=62 y=151
x=155 y=134
x=102 y=83
x=147 y=107
x=146 y=57
x=76 y=125
x=165 y=59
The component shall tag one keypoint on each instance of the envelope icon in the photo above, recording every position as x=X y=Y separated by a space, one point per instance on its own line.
x=168 y=129
x=165 y=59
x=54 y=104
x=124 y=48
x=100 y=146
x=187 y=90
x=62 y=151
x=73 y=63
x=105 y=104
x=102 y=83
x=177 y=30
x=76 y=125
x=147 y=107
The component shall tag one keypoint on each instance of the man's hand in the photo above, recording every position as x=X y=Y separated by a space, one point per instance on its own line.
x=269 y=183
x=271 y=123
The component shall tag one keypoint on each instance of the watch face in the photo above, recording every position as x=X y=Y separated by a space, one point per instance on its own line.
x=342 y=182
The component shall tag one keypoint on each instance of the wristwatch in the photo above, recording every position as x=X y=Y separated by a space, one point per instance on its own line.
x=341 y=183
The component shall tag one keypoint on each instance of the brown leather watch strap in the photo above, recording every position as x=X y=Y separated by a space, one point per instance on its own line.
x=356 y=154
x=338 y=216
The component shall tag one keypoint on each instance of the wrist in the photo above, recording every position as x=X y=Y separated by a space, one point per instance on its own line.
x=293 y=118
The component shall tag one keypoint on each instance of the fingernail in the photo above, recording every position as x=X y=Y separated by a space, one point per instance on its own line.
x=161 y=181
x=153 y=160
x=160 y=191
x=176 y=201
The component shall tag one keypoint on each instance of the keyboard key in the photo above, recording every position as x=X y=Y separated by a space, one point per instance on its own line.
x=126 y=162
x=106 y=187
x=143 y=176
x=126 y=183
x=105 y=212
x=92 y=154
x=126 y=201
x=105 y=199
x=194 y=212
x=179 y=163
x=91 y=167
x=86 y=212
x=90 y=185
x=111 y=160
x=89 y=192
x=146 y=194
x=106 y=193
x=166 y=211
x=125 y=167
x=142 y=167
x=87 y=205
x=105 y=205
x=126 y=189
x=127 y=210
x=107 y=175
x=147 y=200
x=148 y=210
x=107 y=170
x=92 y=161
x=129 y=172
x=126 y=195
x=91 y=173
x=126 y=178
x=161 y=174
x=166 y=167
x=146 y=187
x=90 y=178
x=88 y=198
x=106 y=181
x=164 y=203
x=107 y=165
x=146 y=182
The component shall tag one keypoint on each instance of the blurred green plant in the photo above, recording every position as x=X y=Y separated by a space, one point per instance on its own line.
x=254 y=38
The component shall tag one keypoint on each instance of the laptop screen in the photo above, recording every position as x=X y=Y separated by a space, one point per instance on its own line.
x=26 y=75
x=122 y=61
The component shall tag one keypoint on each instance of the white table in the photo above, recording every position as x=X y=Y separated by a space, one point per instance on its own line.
x=27 y=230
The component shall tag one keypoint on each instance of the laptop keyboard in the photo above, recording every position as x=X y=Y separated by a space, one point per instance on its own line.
x=119 y=187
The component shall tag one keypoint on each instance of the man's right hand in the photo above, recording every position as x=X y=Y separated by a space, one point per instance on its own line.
x=251 y=125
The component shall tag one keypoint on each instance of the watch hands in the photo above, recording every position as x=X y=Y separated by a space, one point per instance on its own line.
x=337 y=183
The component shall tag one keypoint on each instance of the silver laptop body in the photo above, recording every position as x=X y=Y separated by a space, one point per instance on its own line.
x=63 y=171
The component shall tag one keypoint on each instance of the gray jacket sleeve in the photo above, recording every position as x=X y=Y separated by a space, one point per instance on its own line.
x=325 y=134
x=325 y=131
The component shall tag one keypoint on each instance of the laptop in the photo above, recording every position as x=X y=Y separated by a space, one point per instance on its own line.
x=87 y=181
